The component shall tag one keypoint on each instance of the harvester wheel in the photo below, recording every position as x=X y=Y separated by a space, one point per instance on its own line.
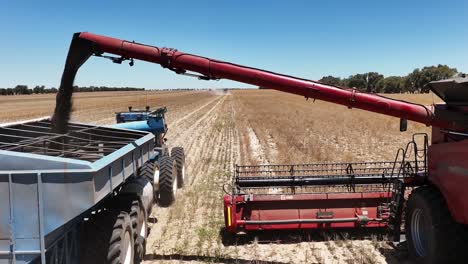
x=140 y=229
x=121 y=243
x=178 y=154
x=167 y=181
x=433 y=235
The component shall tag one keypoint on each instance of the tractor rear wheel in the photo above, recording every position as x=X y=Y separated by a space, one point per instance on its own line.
x=433 y=235
x=178 y=154
x=151 y=170
x=167 y=181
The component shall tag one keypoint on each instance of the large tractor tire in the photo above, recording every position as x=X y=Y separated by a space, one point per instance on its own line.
x=121 y=243
x=150 y=170
x=433 y=235
x=140 y=229
x=178 y=154
x=167 y=181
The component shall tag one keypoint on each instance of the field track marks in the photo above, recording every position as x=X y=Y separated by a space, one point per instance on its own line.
x=193 y=223
x=192 y=133
x=175 y=123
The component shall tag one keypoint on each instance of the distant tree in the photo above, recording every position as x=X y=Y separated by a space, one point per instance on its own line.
x=417 y=80
x=39 y=89
x=366 y=82
x=391 y=84
x=21 y=89
x=372 y=79
x=357 y=81
x=331 y=80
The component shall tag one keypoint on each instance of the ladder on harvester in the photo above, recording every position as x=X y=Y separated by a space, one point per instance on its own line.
x=410 y=173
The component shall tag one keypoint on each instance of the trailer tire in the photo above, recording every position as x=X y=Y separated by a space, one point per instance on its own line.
x=140 y=229
x=167 y=181
x=178 y=154
x=433 y=235
x=121 y=242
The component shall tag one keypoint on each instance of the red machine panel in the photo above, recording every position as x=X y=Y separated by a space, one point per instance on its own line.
x=306 y=211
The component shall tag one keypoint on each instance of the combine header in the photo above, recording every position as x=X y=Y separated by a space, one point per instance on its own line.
x=424 y=189
x=323 y=195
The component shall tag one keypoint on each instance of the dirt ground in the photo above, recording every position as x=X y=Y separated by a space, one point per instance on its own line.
x=219 y=130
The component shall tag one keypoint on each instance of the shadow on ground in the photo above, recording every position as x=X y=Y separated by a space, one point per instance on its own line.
x=298 y=236
x=208 y=259
x=394 y=254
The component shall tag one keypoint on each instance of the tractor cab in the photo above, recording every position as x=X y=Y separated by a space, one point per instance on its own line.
x=132 y=115
x=144 y=120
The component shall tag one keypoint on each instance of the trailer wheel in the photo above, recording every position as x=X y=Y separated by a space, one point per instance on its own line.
x=178 y=154
x=121 y=243
x=167 y=181
x=433 y=235
x=140 y=229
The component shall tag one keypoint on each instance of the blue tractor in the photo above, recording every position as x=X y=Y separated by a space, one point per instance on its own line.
x=164 y=163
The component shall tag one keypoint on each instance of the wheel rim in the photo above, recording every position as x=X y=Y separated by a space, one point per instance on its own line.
x=143 y=229
x=174 y=186
x=156 y=176
x=128 y=251
x=174 y=177
x=143 y=224
x=419 y=232
x=183 y=172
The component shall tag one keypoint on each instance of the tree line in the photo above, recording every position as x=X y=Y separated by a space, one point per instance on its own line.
x=41 y=89
x=414 y=82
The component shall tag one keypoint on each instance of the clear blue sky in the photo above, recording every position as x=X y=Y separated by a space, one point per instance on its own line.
x=307 y=39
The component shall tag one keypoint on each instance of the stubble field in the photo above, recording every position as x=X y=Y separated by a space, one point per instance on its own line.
x=219 y=130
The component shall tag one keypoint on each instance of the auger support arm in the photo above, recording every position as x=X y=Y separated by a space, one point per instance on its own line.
x=182 y=63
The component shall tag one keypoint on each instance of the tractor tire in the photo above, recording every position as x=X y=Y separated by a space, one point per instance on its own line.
x=147 y=170
x=150 y=170
x=140 y=229
x=167 y=181
x=178 y=154
x=121 y=243
x=433 y=235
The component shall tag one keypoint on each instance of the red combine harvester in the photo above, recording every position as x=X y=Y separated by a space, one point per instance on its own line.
x=425 y=184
